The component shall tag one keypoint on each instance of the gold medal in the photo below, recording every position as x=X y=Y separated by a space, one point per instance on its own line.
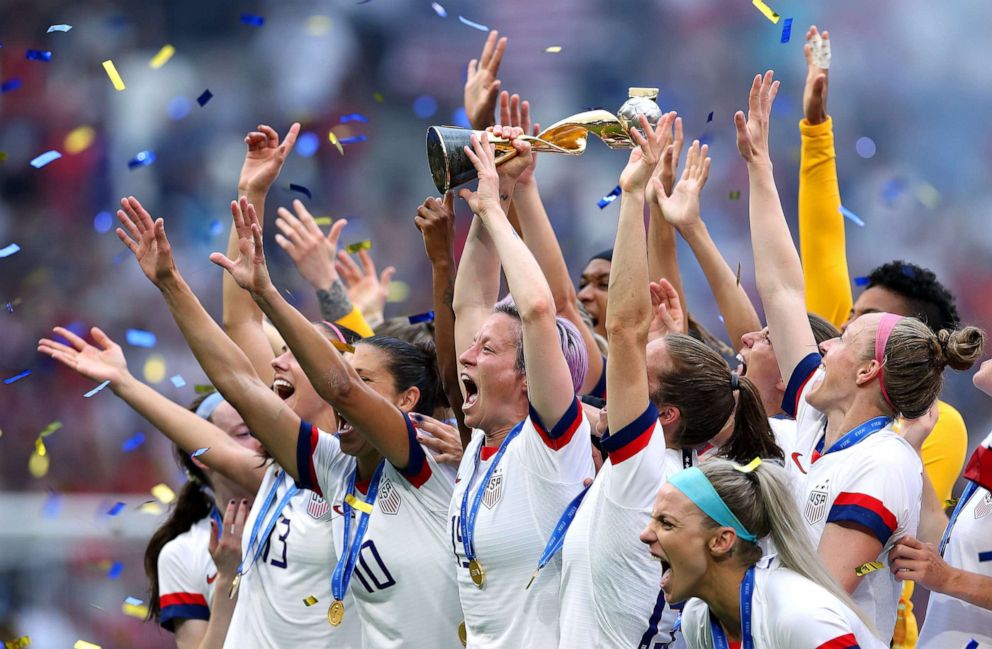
x=335 y=613
x=477 y=573
x=234 y=586
x=463 y=634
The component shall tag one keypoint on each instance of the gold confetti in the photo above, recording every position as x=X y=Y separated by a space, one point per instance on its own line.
x=310 y=600
x=397 y=291
x=19 y=643
x=360 y=505
x=554 y=49
x=377 y=96
x=360 y=245
x=334 y=140
x=39 y=447
x=735 y=196
x=765 y=9
x=115 y=77
x=323 y=220
x=38 y=465
x=50 y=428
x=163 y=493
x=162 y=57
x=139 y=611
x=928 y=195
x=750 y=466
x=150 y=507
x=3 y=156
x=79 y=139
x=343 y=347
x=154 y=369
x=950 y=502
x=82 y=644
x=866 y=568
x=318 y=25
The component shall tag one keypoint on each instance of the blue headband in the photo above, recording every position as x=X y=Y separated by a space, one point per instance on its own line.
x=206 y=408
x=695 y=485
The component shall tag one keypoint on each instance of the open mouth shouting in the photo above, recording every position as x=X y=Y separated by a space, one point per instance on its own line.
x=344 y=426
x=283 y=388
x=471 y=391
x=666 y=575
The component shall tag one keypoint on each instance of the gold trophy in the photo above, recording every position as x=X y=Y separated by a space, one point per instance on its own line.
x=450 y=167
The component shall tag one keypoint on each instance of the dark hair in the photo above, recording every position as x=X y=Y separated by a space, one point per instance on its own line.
x=192 y=505
x=421 y=333
x=928 y=299
x=698 y=382
x=606 y=254
x=823 y=329
x=696 y=329
x=413 y=365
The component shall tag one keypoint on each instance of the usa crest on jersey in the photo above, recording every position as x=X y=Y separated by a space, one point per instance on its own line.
x=317 y=507
x=389 y=498
x=984 y=508
x=494 y=490
x=816 y=505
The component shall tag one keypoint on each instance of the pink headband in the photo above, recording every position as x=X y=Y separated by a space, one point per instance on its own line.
x=337 y=332
x=885 y=327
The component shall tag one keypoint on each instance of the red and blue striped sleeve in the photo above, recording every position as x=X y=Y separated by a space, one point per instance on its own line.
x=418 y=469
x=181 y=606
x=797 y=382
x=306 y=444
x=558 y=437
x=846 y=641
x=632 y=438
x=867 y=511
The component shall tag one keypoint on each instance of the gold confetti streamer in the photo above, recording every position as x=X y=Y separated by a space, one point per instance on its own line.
x=115 y=78
x=310 y=600
x=163 y=493
x=765 y=9
x=162 y=57
x=866 y=568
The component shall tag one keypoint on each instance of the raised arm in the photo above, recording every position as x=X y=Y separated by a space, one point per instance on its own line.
x=680 y=208
x=629 y=312
x=314 y=256
x=367 y=289
x=104 y=361
x=536 y=230
x=242 y=319
x=776 y=263
x=436 y=221
x=481 y=84
x=663 y=259
x=335 y=380
x=821 y=225
x=549 y=383
x=227 y=366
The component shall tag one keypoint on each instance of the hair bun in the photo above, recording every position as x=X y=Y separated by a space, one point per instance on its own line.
x=961 y=347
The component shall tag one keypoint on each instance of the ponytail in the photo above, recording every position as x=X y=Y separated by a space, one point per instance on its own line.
x=413 y=365
x=752 y=435
x=762 y=500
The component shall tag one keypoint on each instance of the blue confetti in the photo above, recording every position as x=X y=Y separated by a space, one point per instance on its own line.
x=424 y=106
x=473 y=25
x=103 y=221
x=200 y=451
x=9 y=250
x=353 y=139
x=14 y=379
x=116 y=568
x=116 y=509
x=709 y=118
x=985 y=556
x=178 y=381
x=52 y=506
x=58 y=28
x=609 y=198
x=133 y=601
x=460 y=118
x=140 y=338
x=852 y=217
x=907 y=270
x=862 y=281
x=133 y=442
x=216 y=227
x=354 y=117
x=300 y=189
x=204 y=97
x=178 y=107
x=38 y=55
x=143 y=159
x=439 y=10
x=253 y=20
x=45 y=158
x=421 y=317
x=307 y=144
x=10 y=84
x=973 y=644
x=96 y=389
x=865 y=146
x=787 y=30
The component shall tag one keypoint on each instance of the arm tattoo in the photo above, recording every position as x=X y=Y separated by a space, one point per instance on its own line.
x=334 y=302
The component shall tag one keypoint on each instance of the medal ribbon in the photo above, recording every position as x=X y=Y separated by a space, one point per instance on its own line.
x=349 y=555
x=557 y=539
x=215 y=514
x=270 y=499
x=747 y=642
x=855 y=435
x=969 y=491
x=467 y=523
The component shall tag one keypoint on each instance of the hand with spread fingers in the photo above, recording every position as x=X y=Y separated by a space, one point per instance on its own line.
x=249 y=269
x=481 y=84
x=680 y=206
x=516 y=113
x=671 y=125
x=146 y=239
x=264 y=158
x=367 y=289
x=668 y=316
x=645 y=156
x=752 y=132
x=313 y=253
x=485 y=200
x=103 y=361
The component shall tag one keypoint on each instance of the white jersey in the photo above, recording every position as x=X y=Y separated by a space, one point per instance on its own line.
x=403 y=583
x=295 y=563
x=186 y=576
x=609 y=587
x=788 y=611
x=541 y=471
x=875 y=483
x=969 y=548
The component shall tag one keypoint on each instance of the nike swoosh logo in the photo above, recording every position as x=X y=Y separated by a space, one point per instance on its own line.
x=795 y=458
x=210 y=579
